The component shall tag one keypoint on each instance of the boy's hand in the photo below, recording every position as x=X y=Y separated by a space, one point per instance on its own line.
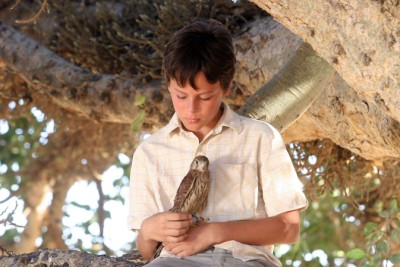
x=166 y=227
x=198 y=239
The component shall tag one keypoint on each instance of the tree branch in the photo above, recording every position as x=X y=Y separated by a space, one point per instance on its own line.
x=9 y=220
x=100 y=97
x=291 y=91
x=364 y=51
x=57 y=257
x=53 y=237
x=5 y=251
x=35 y=18
x=100 y=211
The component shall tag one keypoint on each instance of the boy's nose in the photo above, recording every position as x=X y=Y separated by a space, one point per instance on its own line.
x=193 y=105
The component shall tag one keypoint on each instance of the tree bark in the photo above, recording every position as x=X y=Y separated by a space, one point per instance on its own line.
x=290 y=92
x=71 y=258
x=100 y=97
x=35 y=201
x=340 y=113
x=53 y=237
x=360 y=39
x=103 y=99
x=349 y=120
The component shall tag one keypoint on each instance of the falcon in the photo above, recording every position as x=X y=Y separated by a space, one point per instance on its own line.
x=192 y=194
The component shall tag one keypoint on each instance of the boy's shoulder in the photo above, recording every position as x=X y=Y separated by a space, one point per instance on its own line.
x=158 y=136
x=257 y=126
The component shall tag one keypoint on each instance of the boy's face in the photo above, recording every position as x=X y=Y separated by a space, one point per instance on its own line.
x=199 y=110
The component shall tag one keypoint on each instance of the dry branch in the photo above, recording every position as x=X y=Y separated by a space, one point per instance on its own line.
x=44 y=7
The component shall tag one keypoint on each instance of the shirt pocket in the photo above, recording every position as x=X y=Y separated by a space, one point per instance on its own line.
x=236 y=191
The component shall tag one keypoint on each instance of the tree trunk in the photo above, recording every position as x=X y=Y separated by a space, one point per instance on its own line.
x=37 y=208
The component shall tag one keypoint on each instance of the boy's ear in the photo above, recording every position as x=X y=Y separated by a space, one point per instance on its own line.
x=226 y=93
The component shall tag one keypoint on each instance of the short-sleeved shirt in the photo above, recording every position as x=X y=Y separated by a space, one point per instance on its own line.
x=252 y=175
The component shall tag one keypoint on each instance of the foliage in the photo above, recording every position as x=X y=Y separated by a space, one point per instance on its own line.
x=132 y=42
x=353 y=216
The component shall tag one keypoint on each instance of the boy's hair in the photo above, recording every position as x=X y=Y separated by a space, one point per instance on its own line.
x=204 y=46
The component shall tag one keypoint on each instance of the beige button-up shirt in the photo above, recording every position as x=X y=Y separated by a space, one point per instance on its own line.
x=252 y=175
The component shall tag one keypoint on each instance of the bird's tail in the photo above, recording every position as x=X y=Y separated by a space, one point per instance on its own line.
x=157 y=253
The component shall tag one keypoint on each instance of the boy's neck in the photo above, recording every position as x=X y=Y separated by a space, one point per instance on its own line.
x=201 y=135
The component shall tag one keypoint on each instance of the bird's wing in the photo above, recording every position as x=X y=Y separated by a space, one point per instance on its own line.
x=183 y=191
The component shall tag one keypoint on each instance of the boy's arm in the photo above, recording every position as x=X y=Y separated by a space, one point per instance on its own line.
x=280 y=229
x=283 y=228
x=162 y=227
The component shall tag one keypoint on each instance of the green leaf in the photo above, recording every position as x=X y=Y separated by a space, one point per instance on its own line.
x=138 y=120
x=385 y=214
x=369 y=228
x=86 y=207
x=376 y=236
x=139 y=100
x=393 y=206
x=381 y=246
x=395 y=258
x=355 y=254
x=394 y=236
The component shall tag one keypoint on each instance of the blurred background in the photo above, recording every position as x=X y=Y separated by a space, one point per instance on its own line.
x=66 y=139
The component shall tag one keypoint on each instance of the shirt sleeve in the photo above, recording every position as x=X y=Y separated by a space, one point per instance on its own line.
x=281 y=187
x=142 y=203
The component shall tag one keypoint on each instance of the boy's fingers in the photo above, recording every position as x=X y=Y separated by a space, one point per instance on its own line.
x=178 y=225
x=174 y=216
x=175 y=239
x=177 y=232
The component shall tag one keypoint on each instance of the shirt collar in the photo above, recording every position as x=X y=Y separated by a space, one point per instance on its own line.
x=229 y=119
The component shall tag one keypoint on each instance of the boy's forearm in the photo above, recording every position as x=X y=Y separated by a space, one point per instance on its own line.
x=146 y=247
x=281 y=229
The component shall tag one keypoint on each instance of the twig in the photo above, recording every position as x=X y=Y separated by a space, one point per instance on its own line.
x=8 y=219
x=44 y=7
x=16 y=4
x=8 y=252
x=12 y=194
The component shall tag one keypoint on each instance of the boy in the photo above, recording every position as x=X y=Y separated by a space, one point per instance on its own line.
x=255 y=196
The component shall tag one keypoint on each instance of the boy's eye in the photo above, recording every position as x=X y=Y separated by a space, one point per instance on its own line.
x=205 y=99
x=180 y=97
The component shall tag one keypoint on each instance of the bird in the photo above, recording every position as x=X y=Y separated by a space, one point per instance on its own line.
x=192 y=194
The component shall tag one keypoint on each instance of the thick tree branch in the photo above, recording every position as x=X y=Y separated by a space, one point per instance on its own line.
x=360 y=39
x=100 y=97
x=71 y=258
x=276 y=44
x=339 y=113
x=292 y=91
x=349 y=120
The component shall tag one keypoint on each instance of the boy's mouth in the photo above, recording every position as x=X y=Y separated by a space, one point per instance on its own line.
x=192 y=120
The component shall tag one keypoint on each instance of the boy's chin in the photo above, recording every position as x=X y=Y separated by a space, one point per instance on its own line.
x=191 y=127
